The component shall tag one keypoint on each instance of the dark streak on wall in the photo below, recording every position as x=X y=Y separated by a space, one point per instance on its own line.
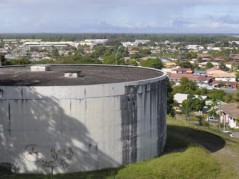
x=161 y=122
x=129 y=124
x=9 y=119
x=153 y=114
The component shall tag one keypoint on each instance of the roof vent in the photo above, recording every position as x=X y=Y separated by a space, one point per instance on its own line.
x=72 y=74
x=41 y=68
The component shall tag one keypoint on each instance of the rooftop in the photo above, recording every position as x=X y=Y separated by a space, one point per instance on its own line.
x=232 y=109
x=90 y=75
x=189 y=76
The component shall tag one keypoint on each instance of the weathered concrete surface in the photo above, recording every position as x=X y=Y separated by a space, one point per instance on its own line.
x=81 y=128
x=90 y=75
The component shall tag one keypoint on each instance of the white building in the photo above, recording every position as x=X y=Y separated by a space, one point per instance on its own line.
x=141 y=41
x=195 y=47
x=93 y=42
x=229 y=114
x=180 y=97
x=128 y=44
x=29 y=45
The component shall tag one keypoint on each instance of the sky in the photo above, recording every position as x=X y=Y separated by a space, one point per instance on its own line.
x=119 y=16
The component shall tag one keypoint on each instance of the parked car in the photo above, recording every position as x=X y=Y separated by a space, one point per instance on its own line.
x=212 y=119
x=177 y=110
x=228 y=133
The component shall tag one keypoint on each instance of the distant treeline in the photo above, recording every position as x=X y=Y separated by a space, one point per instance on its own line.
x=198 y=39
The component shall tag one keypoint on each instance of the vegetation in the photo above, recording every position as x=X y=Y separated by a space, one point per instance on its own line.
x=21 y=61
x=185 y=64
x=189 y=87
x=186 y=86
x=187 y=164
x=132 y=62
x=192 y=104
x=152 y=63
x=170 y=100
x=198 y=39
x=237 y=75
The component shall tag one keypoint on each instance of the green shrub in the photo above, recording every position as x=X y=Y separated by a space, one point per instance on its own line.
x=203 y=122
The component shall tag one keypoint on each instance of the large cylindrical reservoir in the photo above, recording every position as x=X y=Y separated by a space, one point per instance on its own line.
x=106 y=116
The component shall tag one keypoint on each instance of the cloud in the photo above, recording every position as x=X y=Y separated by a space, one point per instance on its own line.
x=118 y=16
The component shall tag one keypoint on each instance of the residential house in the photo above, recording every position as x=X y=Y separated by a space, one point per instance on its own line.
x=229 y=64
x=218 y=59
x=126 y=59
x=200 y=72
x=169 y=64
x=227 y=85
x=133 y=52
x=220 y=75
x=229 y=113
x=204 y=64
x=128 y=44
x=195 y=47
x=149 y=57
x=182 y=71
x=235 y=57
x=231 y=42
x=141 y=41
x=196 y=78
x=214 y=48
x=205 y=57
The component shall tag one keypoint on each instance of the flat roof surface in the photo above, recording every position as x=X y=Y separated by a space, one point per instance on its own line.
x=90 y=74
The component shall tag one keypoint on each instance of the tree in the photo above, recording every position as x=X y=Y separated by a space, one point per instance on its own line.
x=222 y=66
x=185 y=64
x=209 y=65
x=152 y=63
x=197 y=104
x=100 y=51
x=186 y=86
x=145 y=52
x=216 y=94
x=20 y=61
x=132 y=62
x=192 y=104
x=2 y=59
x=228 y=98
x=55 y=52
x=191 y=55
x=186 y=107
x=237 y=75
x=109 y=58
x=201 y=91
x=170 y=100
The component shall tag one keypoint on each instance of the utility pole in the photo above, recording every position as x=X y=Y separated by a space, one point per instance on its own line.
x=117 y=54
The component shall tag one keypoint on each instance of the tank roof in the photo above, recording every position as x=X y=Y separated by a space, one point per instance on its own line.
x=90 y=75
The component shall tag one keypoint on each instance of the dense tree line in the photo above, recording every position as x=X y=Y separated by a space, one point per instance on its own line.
x=199 y=39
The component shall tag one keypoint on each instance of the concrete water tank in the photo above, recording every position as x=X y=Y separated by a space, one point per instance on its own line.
x=106 y=116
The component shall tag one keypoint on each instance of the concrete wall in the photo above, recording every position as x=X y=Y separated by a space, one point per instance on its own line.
x=81 y=128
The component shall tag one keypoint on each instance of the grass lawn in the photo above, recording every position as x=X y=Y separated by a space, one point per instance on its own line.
x=190 y=152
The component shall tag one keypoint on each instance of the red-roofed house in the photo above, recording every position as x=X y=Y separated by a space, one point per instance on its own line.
x=197 y=78
x=235 y=57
